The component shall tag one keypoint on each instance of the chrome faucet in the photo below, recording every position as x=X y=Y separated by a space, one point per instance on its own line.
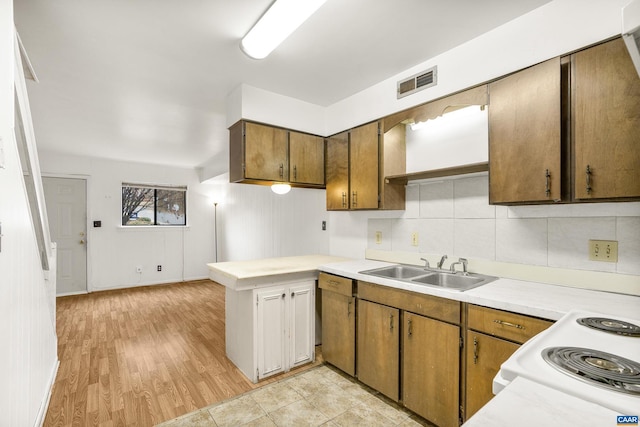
x=426 y=263
x=441 y=261
x=463 y=262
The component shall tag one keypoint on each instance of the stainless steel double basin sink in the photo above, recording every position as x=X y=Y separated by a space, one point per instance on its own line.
x=436 y=278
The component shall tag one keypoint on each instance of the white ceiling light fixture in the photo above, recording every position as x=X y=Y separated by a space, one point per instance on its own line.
x=278 y=22
x=280 y=188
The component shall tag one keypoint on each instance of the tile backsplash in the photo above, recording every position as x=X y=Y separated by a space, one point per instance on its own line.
x=454 y=217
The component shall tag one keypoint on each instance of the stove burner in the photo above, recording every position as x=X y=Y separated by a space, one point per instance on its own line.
x=614 y=326
x=596 y=367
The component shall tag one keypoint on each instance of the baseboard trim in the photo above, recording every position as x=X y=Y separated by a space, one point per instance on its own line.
x=42 y=414
x=140 y=285
x=67 y=294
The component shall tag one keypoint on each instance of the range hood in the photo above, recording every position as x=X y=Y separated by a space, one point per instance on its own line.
x=631 y=31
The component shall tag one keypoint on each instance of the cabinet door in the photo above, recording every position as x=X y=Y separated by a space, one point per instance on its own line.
x=379 y=347
x=301 y=326
x=484 y=355
x=606 y=122
x=270 y=331
x=337 y=168
x=430 y=366
x=524 y=136
x=339 y=331
x=265 y=153
x=364 y=166
x=306 y=158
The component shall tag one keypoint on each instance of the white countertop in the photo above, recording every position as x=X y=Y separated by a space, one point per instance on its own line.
x=240 y=275
x=530 y=298
x=525 y=403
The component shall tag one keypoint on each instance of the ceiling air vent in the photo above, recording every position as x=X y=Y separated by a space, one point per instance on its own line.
x=418 y=82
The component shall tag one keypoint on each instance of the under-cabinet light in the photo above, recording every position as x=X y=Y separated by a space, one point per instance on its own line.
x=280 y=188
x=277 y=23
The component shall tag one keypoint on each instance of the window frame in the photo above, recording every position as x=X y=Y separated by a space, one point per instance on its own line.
x=155 y=187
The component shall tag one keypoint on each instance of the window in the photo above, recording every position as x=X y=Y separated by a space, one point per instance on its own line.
x=153 y=205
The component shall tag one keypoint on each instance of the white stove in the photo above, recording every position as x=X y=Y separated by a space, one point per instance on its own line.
x=600 y=366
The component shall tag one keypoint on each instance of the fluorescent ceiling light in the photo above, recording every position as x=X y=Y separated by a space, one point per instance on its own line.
x=280 y=188
x=278 y=22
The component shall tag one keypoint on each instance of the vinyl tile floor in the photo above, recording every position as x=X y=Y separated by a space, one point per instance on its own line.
x=321 y=396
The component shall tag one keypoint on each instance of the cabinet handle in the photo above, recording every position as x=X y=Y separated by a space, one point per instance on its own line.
x=281 y=170
x=391 y=322
x=295 y=172
x=475 y=350
x=409 y=328
x=349 y=309
x=513 y=325
x=354 y=199
x=588 y=172
x=284 y=295
x=547 y=176
x=344 y=199
x=292 y=294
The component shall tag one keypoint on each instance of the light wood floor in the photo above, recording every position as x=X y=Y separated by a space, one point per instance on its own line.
x=141 y=356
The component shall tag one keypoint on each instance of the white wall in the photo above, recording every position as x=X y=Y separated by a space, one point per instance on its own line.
x=28 y=357
x=115 y=251
x=256 y=223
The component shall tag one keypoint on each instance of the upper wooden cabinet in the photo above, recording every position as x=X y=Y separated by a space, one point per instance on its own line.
x=306 y=158
x=358 y=161
x=261 y=154
x=566 y=130
x=524 y=136
x=363 y=166
x=606 y=123
x=337 y=172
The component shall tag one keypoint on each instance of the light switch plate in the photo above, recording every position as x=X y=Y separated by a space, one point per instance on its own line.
x=414 y=238
x=603 y=250
x=378 y=237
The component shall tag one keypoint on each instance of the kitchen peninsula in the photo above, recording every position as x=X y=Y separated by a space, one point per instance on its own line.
x=270 y=312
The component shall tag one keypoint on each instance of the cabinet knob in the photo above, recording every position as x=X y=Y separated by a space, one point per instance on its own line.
x=588 y=173
x=284 y=295
x=354 y=199
x=295 y=172
x=281 y=170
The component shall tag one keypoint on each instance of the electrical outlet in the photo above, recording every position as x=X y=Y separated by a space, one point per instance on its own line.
x=378 y=237
x=603 y=250
x=139 y=269
x=159 y=268
x=414 y=238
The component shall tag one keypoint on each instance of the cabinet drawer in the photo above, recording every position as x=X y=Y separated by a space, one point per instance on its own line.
x=337 y=284
x=427 y=305
x=504 y=324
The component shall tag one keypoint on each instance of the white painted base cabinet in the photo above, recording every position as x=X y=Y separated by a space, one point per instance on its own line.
x=271 y=329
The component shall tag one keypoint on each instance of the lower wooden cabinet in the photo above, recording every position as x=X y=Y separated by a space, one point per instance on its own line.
x=379 y=347
x=484 y=355
x=431 y=369
x=492 y=337
x=338 y=322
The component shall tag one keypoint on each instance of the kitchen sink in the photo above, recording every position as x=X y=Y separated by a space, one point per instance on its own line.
x=436 y=278
x=453 y=281
x=397 y=272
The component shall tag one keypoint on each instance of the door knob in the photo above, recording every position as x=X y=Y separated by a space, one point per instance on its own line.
x=82 y=242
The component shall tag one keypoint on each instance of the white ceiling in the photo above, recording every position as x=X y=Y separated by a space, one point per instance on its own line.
x=146 y=80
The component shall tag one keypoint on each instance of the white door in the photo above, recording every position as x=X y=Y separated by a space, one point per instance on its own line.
x=66 y=200
x=301 y=324
x=271 y=326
